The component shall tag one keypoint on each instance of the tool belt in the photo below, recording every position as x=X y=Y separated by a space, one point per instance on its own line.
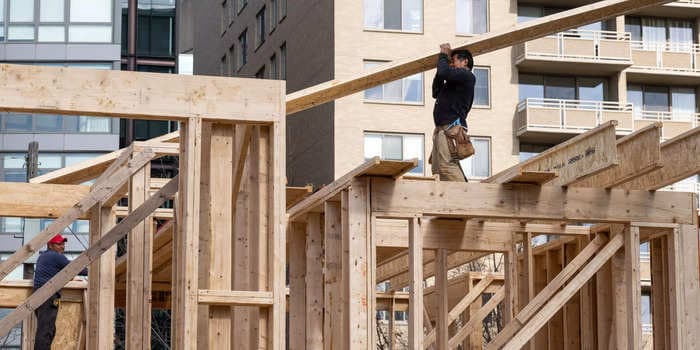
x=458 y=141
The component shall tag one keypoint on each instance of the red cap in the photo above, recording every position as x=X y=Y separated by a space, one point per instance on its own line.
x=58 y=239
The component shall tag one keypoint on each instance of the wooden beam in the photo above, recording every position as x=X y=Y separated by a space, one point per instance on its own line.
x=186 y=248
x=638 y=153
x=60 y=90
x=227 y=298
x=333 y=250
x=581 y=156
x=492 y=41
x=14 y=293
x=681 y=159
x=633 y=289
x=101 y=285
x=101 y=191
x=415 y=267
x=445 y=198
x=40 y=200
x=546 y=294
x=658 y=249
x=443 y=309
x=297 y=285
x=314 y=282
x=555 y=303
x=684 y=287
x=453 y=260
x=478 y=318
x=84 y=259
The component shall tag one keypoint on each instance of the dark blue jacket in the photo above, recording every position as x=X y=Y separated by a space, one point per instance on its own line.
x=453 y=91
x=50 y=262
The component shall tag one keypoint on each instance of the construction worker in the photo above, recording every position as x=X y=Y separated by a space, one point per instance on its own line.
x=453 y=91
x=50 y=262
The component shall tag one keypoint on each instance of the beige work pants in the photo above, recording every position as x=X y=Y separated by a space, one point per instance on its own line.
x=443 y=164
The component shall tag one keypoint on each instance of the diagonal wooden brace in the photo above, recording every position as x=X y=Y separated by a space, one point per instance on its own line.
x=478 y=318
x=88 y=256
x=102 y=191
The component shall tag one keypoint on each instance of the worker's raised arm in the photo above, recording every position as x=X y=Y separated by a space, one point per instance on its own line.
x=445 y=72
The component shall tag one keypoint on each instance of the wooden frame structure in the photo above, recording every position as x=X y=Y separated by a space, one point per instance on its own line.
x=219 y=261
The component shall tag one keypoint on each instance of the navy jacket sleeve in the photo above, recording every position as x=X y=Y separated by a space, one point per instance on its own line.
x=450 y=74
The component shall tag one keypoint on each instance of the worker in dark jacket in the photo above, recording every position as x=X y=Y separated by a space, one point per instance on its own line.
x=453 y=90
x=50 y=262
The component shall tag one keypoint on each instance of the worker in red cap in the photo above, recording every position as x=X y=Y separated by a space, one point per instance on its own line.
x=50 y=262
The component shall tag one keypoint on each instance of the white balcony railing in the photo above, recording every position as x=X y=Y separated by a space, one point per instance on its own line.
x=579 y=44
x=670 y=56
x=572 y=115
x=674 y=116
x=691 y=2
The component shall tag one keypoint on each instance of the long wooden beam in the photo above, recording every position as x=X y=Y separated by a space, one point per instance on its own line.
x=581 y=156
x=88 y=256
x=475 y=320
x=111 y=93
x=513 y=201
x=40 y=200
x=492 y=41
x=681 y=159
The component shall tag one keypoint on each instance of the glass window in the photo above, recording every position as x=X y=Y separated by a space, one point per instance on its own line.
x=680 y=34
x=563 y=88
x=75 y=158
x=656 y=98
x=90 y=11
x=481 y=88
x=21 y=11
x=283 y=61
x=18 y=122
x=406 y=90
x=528 y=13
x=13 y=160
x=52 y=34
x=472 y=16
x=90 y=34
x=260 y=27
x=273 y=67
x=243 y=49
x=530 y=86
x=646 y=309
x=405 y=15
x=274 y=14
x=48 y=123
x=401 y=315
x=50 y=161
x=12 y=225
x=260 y=74
x=591 y=89
x=51 y=11
x=2 y=10
x=636 y=98
x=478 y=165
x=633 y=25
x=94 y=124
x=20 y=33
x=683 y=103
x=395 y=147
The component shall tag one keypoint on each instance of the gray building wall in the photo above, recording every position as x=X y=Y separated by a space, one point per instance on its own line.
x=307 y=31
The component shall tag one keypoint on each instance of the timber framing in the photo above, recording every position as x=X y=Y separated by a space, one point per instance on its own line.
x=219 y=259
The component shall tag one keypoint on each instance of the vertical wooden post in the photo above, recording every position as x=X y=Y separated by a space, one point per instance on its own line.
x=572 y=309
x=276 y=229
x=333 y=307
x=587 y=320
x=186 y=243
x=138 y=274
x=415 y=268
x=510 y=282
x=624 y=292
x=556 y=323
x=476 y=339
x=441 y=299
x=314 y=282
x=241 y=330
x=100 y=307
x=259 y=230
x=540 y=340
x=392 y=329
x=659 y=292
x=684 y=291
x=358 y=264
x=297 y=285
x=633 y=287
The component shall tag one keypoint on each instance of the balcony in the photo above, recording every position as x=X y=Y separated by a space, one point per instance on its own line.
x=674 y=123
x=588 y=52
x=677 y=9
x=664 y=63
x=551 y=121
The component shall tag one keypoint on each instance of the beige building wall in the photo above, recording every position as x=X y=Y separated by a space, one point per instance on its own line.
x=354 y=116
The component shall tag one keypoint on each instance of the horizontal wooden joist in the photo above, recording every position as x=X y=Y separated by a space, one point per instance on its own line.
x=492 y=41
x=138 y=95
x=14 y=293
x=521 y=201
x=234 y=298
x=39 y=200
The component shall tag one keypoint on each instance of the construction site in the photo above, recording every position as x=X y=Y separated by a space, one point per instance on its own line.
x=244 y=261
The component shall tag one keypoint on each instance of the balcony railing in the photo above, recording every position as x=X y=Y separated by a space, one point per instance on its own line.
x=690 y=2
x=578 y=45
x=669 y=56
x=572 y=115
x=674 y=123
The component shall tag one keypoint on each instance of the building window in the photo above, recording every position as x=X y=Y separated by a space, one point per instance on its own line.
x=562 y=87
x=51 y=11
x=403 y=15
x=260 y=74
x=260 y=27
x=241 y=5
x=283 y=6
x=654 y=30
x=401 y=316
x=224 y=16
x=232 y=59
x=662 y=101
x=21 y=11
x=406 y=90
x=11 y=225
x=482 y=95
x=394 y=146
x=382 y=315
x=283 y=61
x=646 y=313
x=273 y=67
x=13 y=169
x=222 y=66
x=243 y=49
x=478 y=166
x=472 y=16
x=27 y=123
x=274 y=14
x=90 y=11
